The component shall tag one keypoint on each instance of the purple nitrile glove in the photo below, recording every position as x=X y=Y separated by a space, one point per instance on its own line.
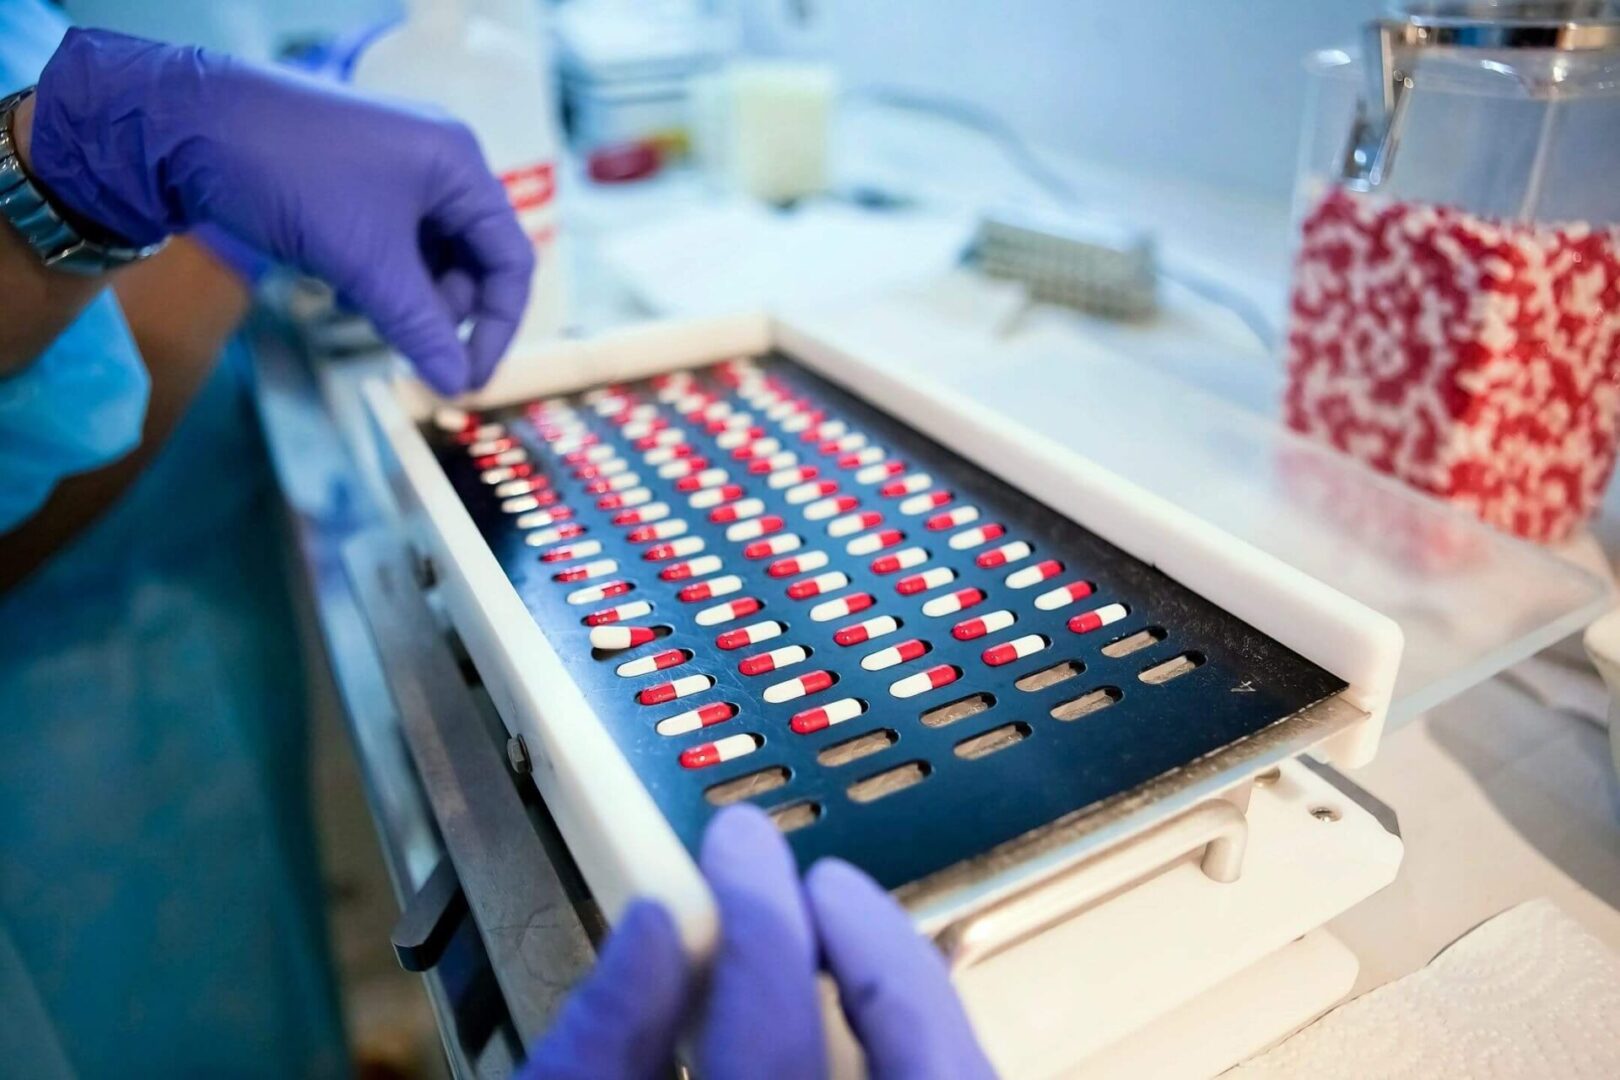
x=764 y=1011
x=622 y=1021
x=762 y=1016
x=893 y=985
x=392 y=206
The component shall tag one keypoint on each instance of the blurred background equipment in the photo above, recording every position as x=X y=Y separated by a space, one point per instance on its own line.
x=1456 y=308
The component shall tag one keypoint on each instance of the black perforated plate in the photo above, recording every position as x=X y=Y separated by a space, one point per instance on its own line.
x=1150 y=677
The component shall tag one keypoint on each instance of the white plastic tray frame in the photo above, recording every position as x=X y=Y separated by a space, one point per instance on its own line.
x=624 y=846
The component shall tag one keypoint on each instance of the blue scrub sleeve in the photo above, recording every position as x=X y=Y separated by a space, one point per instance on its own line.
x=81 y=403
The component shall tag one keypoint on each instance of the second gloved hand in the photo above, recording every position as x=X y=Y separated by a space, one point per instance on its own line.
x=393 y=207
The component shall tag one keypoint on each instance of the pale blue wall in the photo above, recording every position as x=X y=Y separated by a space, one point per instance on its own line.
x=1206 y=89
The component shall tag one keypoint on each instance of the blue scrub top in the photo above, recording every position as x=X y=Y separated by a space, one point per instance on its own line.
x=160 y=902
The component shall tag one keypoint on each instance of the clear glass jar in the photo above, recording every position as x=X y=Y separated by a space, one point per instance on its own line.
x=1456 y=307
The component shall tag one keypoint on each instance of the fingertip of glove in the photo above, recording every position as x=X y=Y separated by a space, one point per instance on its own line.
x=832 y=878
x=737 y=833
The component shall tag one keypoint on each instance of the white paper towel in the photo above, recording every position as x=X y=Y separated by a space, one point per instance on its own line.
x=1527 y=994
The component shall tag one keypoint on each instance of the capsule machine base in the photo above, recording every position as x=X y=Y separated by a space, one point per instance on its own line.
x=773 y=588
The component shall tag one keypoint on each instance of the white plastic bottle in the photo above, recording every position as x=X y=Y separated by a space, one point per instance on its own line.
x=486 y=62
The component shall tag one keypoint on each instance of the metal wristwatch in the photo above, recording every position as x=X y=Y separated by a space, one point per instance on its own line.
x=58 y=243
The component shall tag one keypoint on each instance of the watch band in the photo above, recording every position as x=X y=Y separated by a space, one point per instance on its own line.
x=58 y=244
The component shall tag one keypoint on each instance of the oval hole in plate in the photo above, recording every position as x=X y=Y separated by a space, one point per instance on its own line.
x=1050 y=676
x=960 y=709
x=1173 y=668
x=842 y=753
x=889 y=781
x=999 y=738
x=747 y=786
x=795 y=815
x=1133 y=642
x=1087 y=703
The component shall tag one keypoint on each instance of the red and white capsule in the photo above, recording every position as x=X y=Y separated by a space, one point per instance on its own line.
x=635 y=609
x=767 y=465
x=923 y=681
x=849 y=524
x=740 y=510
x=539 y=519
x=582 y=550
x=485 y=447
x=832 y=504
x=787 y=478
x=1034 y=575
x=812 y=682
x=674 y=470
x=825 y=716
x=758 y=448
x=842 y=607
x=690 y=568
x=661 y=530
x=802 y=563
x=950 y=519
x=896 y=561
x=678 y=548
x=614 y=638
x=744 y=531
x=727 y=749
x=752 y=634
x=881 y=470
x=612 y=483
x=829 y=429
x=706 y=478
x=736 y=438
x=780 y=544
x=952 y=602
x=662 y=455
x=1063 y=595
x=906 y=485
x=979 y=535
x=666 y=437
x=640 y=429
x=523 y=485
x=799 y=494
x=874 y=542
x=857 y=633
x=716 y=712
x=590 y=451
x=709 y=498
x=775 y=660
x=894 y=654
x=713 y=589
x=685 y=686
x=515 y=456
x=983 y=625
x=820 y=585
x=928 y=500
x=624 y=500
x=642 y=515
x=1107 y=615
x=556 y=534
x=587 y=571
x=1016 y=649
x=504 y=472
x=867 y=455
x=448 y=418
x=590 y=594
x=727 y=610
x=932 y=578
x=1001 y=556
x=519 y=504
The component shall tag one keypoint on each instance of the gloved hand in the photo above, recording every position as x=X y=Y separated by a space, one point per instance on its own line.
x=393 y=207
x=762 y=1016
x=894 y=987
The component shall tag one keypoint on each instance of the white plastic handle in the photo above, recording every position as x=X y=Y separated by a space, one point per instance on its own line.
x=1216 y=826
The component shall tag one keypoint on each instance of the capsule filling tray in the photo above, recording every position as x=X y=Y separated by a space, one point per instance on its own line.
x=1012 y=669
